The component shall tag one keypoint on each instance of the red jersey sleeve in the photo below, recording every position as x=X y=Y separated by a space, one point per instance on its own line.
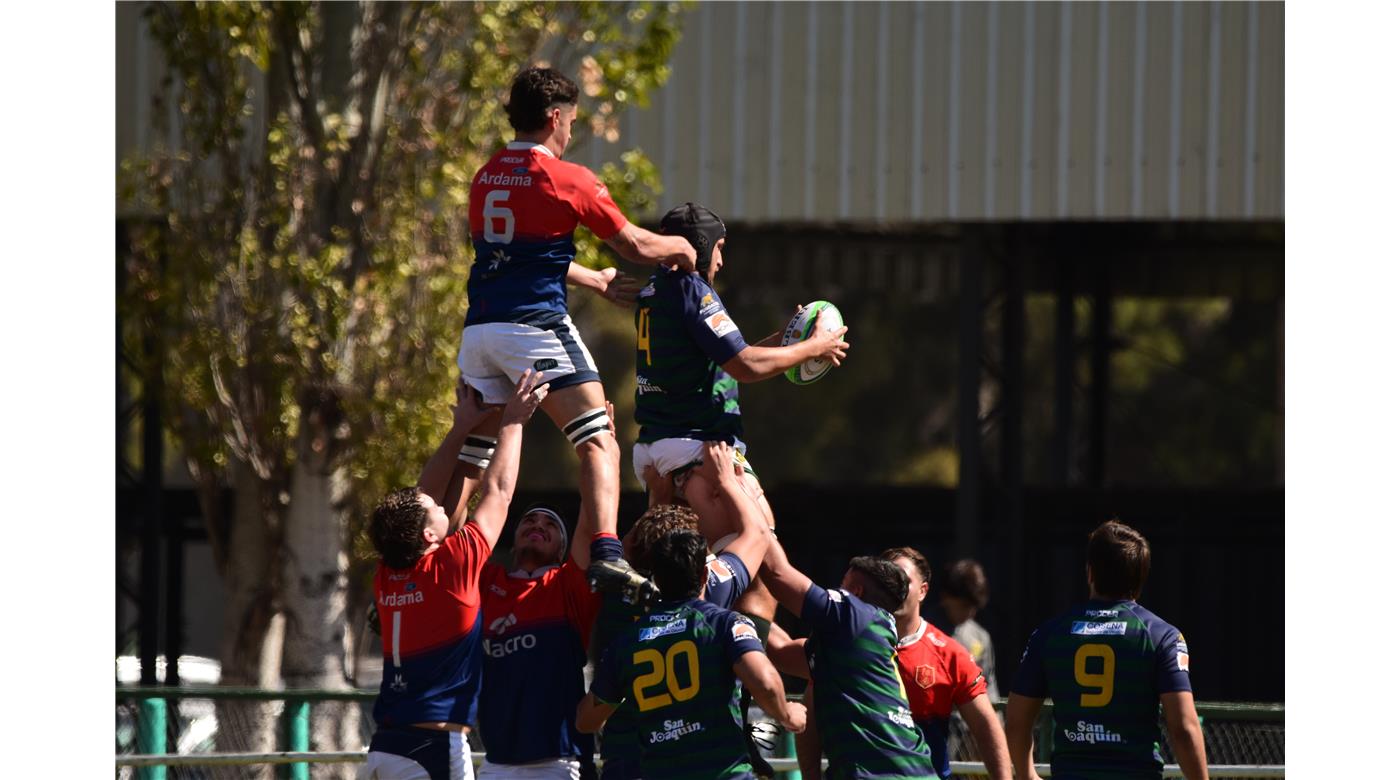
x=968 y=680
x=588 y=198
x=580 y=602
x=469 y=552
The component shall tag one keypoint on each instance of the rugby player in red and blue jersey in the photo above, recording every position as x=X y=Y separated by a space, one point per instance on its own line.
x=427 y=595
x=525 y=204
x=539 y=613
x=1110 y=667
x=940 y=674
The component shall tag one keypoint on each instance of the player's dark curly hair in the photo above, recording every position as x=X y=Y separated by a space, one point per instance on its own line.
x=396 y=528
x=888 y=585
x=913 y=556
x=680 y=564
x=533 y=92
x=965 y=580
x=1119 y=559
x=656 y=523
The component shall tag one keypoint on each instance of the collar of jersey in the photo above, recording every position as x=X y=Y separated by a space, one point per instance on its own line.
x=521 y=574
x=905 y=641
x=520 y=146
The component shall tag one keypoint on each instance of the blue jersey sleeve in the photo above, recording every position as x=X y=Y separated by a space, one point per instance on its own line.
x=726 y=579
x=608 y=687
x=1030 y=677
x=1173 y=661
x=830 y=613
x=739 y=636
x=707 y=321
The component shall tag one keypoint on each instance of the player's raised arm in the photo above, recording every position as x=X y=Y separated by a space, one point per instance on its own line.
x=756 y=363
x=615 y=288
x=444 y=471
x=1021 y=712
x=644 y=247
x=1184 y=733
x=752 y=542
x=498 y=483
x=766 y=685
x=788 y=585
x=788 y=655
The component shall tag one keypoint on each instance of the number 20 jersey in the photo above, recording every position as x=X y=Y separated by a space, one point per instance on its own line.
x=676 y=664
x=525 y=205
x=1105 y=665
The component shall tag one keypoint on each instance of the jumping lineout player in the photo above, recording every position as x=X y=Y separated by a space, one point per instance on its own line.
x=525 y=205
x=1107 y=665
x=426 y=592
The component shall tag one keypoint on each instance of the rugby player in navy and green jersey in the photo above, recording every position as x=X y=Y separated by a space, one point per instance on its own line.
x=691 y=357
x=727 y=576
x=1109 y=666
x=859 y=703
x=681 y=665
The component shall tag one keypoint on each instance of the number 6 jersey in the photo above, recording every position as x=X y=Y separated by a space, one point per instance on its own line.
x=677 y=665
x=1104 y=665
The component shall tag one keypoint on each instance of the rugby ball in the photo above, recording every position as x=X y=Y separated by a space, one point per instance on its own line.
x=803 y=324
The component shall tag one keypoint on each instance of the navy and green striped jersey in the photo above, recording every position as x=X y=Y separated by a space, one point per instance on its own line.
x=677 y=666
x=862 y=711
x=684 y=335
x=726 y=578
x=1105 y=665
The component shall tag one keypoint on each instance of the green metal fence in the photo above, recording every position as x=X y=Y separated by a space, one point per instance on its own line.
x=169 y=734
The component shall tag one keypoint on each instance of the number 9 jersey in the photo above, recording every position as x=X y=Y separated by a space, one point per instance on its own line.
x=1105 y=665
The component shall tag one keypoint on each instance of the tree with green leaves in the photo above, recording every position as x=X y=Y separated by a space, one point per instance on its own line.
x=298 y=284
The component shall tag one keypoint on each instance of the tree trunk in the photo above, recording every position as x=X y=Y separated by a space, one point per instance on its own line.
x=247 y=658
x=314 y=590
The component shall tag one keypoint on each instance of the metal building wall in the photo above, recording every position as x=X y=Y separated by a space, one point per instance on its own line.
x=914 y=112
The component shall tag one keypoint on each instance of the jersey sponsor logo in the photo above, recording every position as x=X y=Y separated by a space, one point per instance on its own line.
x=835 y=595
x=647 y=291
x=399 y=577
x=935 y=641
x=925 y=676
x=1085 y=628
x=721 y=570
x=521 y=169
x=673 y=730
x=652 y=632
x=546 y=364
x=1100 y=613
x=645 y=386
x=498 y=258
x=1183 y=662
x=505 y=180
x=500 y=624
x=708 y=305
x=400 y=599
x=1092 y=734
x=902 y=716
x=743 y=627
x=721 y=325
x=512 y=159
x=503 y=649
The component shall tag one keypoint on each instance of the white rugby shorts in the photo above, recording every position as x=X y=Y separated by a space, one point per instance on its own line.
x=456 y=764
x=670 y=455
x=494 y=355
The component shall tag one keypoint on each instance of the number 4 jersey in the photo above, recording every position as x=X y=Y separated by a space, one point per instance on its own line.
x=677 y=665
x=525 y=205
x=1105 y=665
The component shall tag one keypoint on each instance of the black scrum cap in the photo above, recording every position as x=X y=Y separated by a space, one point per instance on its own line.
x=698 y=225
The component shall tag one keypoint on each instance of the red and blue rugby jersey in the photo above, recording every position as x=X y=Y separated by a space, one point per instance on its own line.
x=525 y=205
x=938 y=674
x=430 y=619
x=535 y=636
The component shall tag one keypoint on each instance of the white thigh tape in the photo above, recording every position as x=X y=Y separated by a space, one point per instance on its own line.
x=478 y=450
x=593 y=422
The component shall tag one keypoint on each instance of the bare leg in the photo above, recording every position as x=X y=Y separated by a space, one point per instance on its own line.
x=809 y=742
x=598 y=460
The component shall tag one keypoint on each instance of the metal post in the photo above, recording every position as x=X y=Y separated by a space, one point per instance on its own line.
x=969 y=394
x=1013 y=347
x=298 y=723
x=152 y=457
x=174 y=598
x=1061 y=443
x=150 y=736
x=789 y=750
x=1099 y=368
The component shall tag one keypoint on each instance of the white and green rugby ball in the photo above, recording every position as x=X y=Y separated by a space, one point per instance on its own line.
x=800 y=328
